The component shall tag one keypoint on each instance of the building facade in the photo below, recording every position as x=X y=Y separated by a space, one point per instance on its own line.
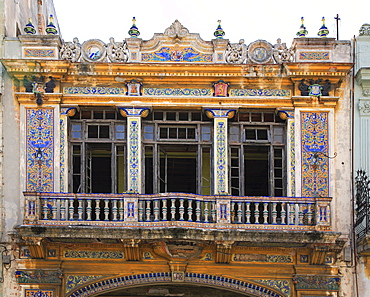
x=176 y=166
x=361 y=155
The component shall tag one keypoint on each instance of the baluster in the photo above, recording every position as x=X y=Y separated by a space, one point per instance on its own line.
x=114 y=209
x=197 y=211
x=63 y=209
x=45 y=209
x=291 y=214
x=156 y=210
x=206 y=212
x=106 y=210
x=309 y=214
x=239 y=212
x=248 y=213
x=232 y=212
x=71 y=218
x=121 y=209
x=97 y=209
x=141 y=211
x=181 y=209
x=283 y=213
x=190 y=210
x=88 y=210
x=256 y=213
x=164 y=209
x=173 y=209
x=54 y=208
x=274 y=213
x=147 y=211
x=80 y=209
x=300 y=214
x=265 y=213
x=213 y=211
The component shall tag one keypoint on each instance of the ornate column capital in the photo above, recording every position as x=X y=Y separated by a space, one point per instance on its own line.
x=220 y=113
x=134 y=112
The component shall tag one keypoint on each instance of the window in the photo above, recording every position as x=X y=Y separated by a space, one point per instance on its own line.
x=177 y=149
x=257 y=154
x=97 y=146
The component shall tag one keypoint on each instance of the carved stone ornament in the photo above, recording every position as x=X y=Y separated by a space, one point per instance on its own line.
x=117 y=51
x=365 y=30
x=71 y=50
x=176 y=30
x=281 y=53
x=260 y=52
x=364 y=107
x=94 y=50
x=366 y=92
x=236 y=53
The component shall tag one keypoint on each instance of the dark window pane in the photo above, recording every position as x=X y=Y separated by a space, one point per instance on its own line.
x=148 y=133
x=244 y=117
x=98 y=115
x=183 y=116
x=158 y=116
x=92 y=131
x=173 y=133
x=110 y=115
x=196 y=116
x=268 y=117
x=262 y=134
x=256 y=117
x=191 y=133
x=86 y=114
x=250 y=134
x=182 y=133
x=171 y=116
x=104 y=132
x=163 y=133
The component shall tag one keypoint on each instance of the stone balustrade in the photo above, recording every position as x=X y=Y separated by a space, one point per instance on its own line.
x=178 y=210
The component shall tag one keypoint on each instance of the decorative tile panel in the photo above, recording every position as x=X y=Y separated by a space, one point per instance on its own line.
x=94 y=91
x=40 y=149
x=291 y=125
x=134 y=127
x=73 y=281
x=39 y=53
x=260 y=92
x=176 y=54
x=38 y=293
x=314 y=56
x=282 y=286
x=262 y=258
x=73 y=254
x=315 y=147
x=176 y=92
x=316 y=282
x=221 y=177
x=38 y=276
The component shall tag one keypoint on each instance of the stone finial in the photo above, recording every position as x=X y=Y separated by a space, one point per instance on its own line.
x=134 y=32
x=29 y=28
x=219 y=33
x=323 y=31
x=302 y=29
x=365 y=30
x=50 y=28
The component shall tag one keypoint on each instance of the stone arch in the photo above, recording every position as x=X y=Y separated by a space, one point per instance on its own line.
x=246 y=287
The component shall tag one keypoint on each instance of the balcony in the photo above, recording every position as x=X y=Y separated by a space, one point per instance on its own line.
x=177 y=210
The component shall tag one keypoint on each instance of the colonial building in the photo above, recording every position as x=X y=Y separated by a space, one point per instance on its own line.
x=362 y=156
x=176 y=166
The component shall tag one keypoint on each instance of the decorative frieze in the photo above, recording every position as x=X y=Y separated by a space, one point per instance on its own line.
x=260 y=92
x=282 y=286
x=364 y=107
x=310 y=56
x=39 y=276
x=76 y=254
x=176 y=53
x=262 y=258
x=39 y=293
x=94 y=91
x=73 y=281
x=40 y=53
x=316 y=282
x=176 y=92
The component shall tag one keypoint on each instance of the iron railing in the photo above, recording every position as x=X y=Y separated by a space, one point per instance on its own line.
x=362 y=204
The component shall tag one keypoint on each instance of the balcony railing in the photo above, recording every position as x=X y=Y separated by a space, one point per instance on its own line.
x=177 y=210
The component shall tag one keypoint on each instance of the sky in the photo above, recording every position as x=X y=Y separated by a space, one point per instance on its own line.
x=240 y=19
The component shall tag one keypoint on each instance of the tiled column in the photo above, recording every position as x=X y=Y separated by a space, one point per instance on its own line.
x=288 y=115
x=65 y=112
x=220 y=149
x=134 y=152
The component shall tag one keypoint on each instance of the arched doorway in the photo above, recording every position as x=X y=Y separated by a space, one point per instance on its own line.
x=164 y=284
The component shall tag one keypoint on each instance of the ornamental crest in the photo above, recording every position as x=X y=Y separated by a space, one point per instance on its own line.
x=176 y=30
x=176 y=53
x=315 y=90
x=220 y=89
x=133 y=88
x=260 y=52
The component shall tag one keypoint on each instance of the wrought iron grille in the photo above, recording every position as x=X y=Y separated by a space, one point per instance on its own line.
x=362 y=204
